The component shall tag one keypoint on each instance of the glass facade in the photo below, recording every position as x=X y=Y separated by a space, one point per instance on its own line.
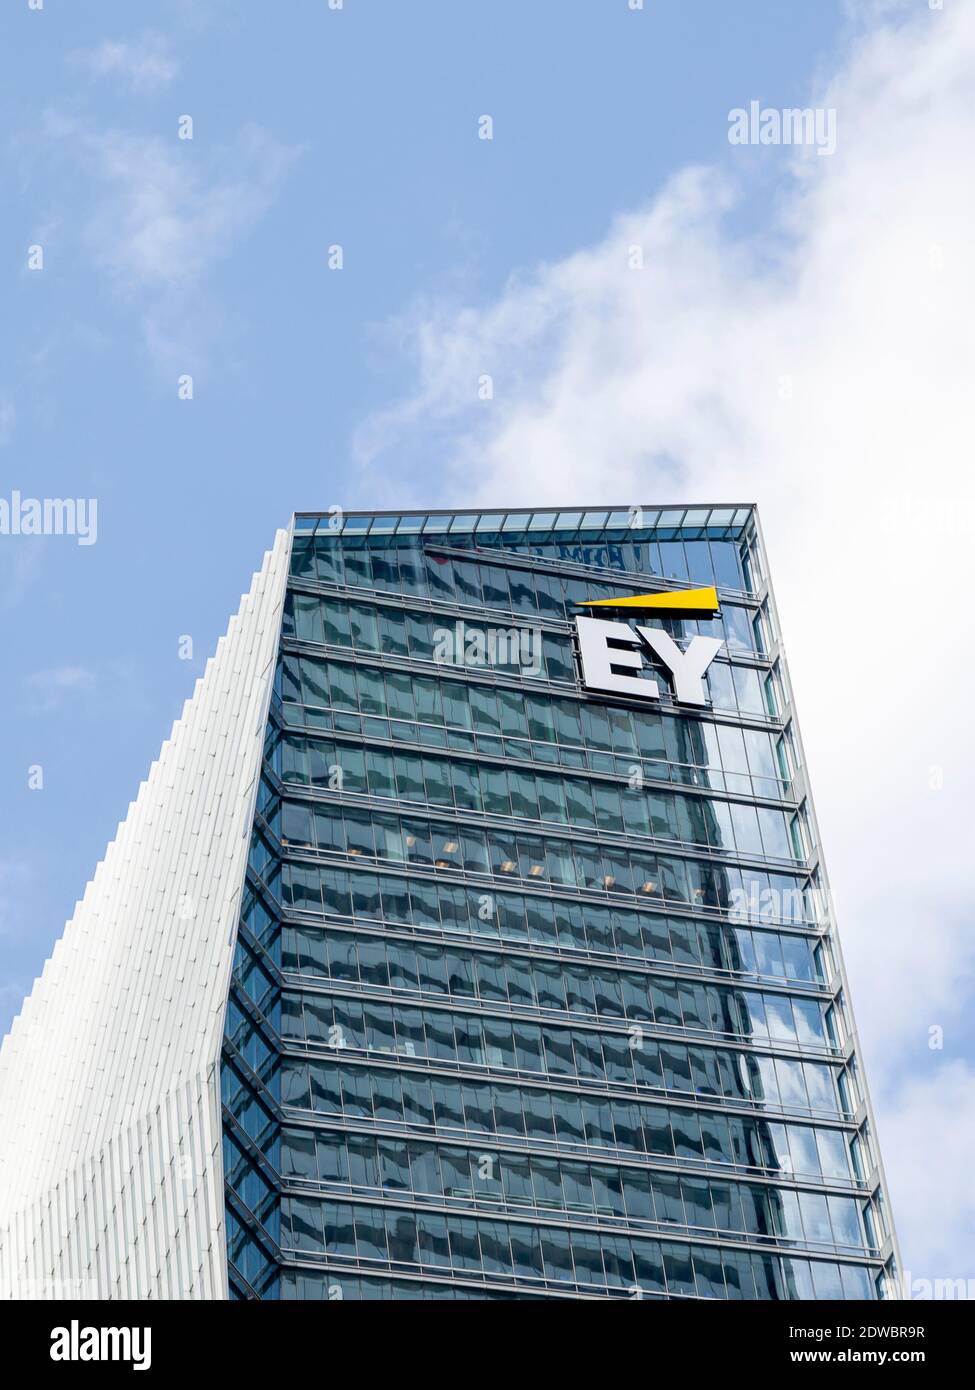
x=536 y=989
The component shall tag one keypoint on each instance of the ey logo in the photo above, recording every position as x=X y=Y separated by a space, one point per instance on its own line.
x=610 y=649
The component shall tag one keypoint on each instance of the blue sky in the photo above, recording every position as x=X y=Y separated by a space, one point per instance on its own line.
x=356 y=127
x=314 y=127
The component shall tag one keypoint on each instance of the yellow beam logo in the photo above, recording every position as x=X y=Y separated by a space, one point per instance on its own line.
x=691 y=603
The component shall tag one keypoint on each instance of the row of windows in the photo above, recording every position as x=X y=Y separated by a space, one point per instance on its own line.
x=407 y=568
x=494 y=790
x=613 y=737
x=470 y=1040
x=306 y=1285
x=521 y=982
x=425 y=637
x=525 y=594
x=242 y=1176
x=535 y=1115
x=258 y=1045
x=521 y=918
x=246 y=1257
x=635 y=553
x=516 y=854
x=405 y=732
x=580 y=1259
x=253 y=1114
x=314 y=888
x=624 y=1193
x=577 y=1118
x=566 y=1117
x=462 y=645
x=694 y=1201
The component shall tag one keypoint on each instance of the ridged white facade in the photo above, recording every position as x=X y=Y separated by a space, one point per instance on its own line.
x=111 y=1177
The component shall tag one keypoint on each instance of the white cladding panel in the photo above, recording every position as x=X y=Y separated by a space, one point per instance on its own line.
x=111 y=1179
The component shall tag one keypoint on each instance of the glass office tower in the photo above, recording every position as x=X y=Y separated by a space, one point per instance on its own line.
x=536 y=990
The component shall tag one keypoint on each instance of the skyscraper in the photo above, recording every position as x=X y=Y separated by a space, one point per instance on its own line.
x=470 y=938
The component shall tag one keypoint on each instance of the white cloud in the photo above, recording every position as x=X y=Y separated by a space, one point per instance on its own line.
x=930 y=1139
x=145 y=64
x=822 y=367
x=48 y=690
x=168 y=213
x=166 y=210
